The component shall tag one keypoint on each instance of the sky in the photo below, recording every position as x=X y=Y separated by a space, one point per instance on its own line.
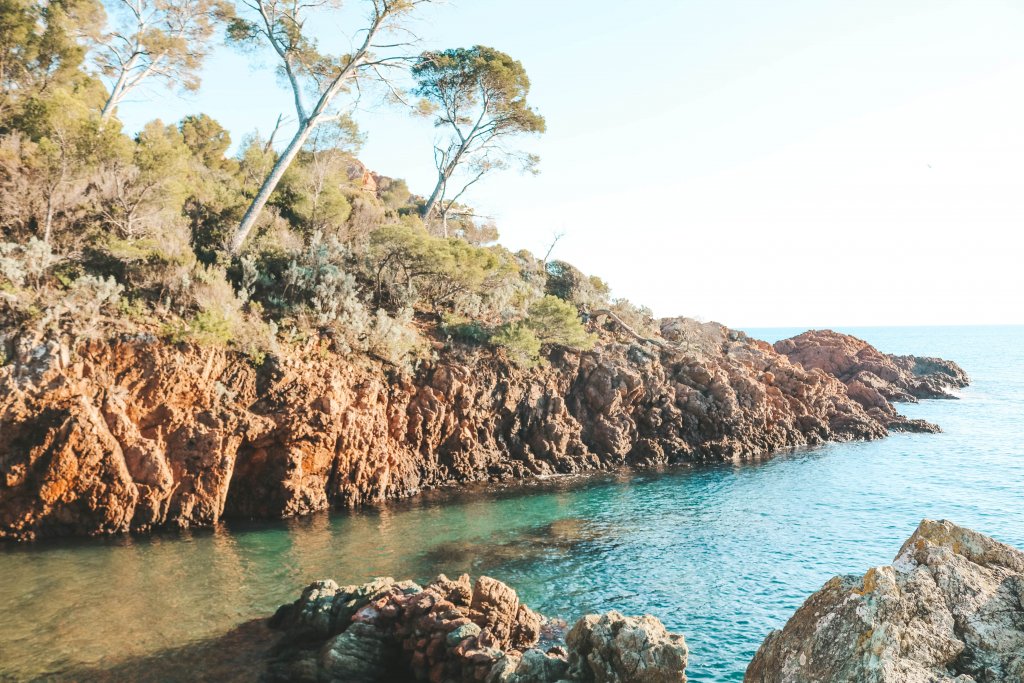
x=757 y=163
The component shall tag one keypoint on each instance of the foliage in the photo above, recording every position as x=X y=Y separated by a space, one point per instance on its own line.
x=465 y=329
x=156 y=40
x=86 y=301
x=478 y=97
x=26 y=265
x=59 y=144
x=520 y=344
x=147 y=185
x=102 y=231
x=550 y=322
x=310 y=70
x=568 y=283
x=317 y=279
x=445 y=273
x=31 y=295
x=317 y=289
x=42 y=47
x=207 y=140
x=639 y=318
x=556 y=322
x=394 y=193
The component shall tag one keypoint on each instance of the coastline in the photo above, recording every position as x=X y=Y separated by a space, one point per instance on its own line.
x=135 y=435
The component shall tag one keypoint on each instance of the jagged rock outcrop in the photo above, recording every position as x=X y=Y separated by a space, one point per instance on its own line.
x=454 y=631
x=949 y=608
x=612 y=647
x=134 y=433
x=875 y=379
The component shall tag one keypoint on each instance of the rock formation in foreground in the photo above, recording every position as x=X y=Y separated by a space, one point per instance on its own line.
x=949 y=608
x=134 y=434
x=459 y=631
x=875 y=379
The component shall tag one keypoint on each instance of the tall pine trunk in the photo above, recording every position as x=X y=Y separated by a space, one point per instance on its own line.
x=117 y=90
x=270 y=184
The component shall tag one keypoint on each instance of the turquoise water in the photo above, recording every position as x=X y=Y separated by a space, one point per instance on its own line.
x=721 y=554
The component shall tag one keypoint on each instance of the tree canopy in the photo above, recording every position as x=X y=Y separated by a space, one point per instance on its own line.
x=478 y=98
x=308 y=68
x=106 y=231
x=163 y=41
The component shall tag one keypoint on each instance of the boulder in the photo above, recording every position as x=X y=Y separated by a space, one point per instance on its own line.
x=363 y=653
x=447 y=632
x=496 y=607
x=532 y=666
x=949 y=608
x=612 y=648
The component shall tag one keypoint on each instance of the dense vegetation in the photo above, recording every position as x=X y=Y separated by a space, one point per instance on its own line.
x=164 y=232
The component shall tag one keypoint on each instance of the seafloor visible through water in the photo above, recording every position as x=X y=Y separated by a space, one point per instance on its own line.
x=721 y=554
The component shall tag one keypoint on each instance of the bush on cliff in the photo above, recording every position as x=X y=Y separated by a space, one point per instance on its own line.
x=444 y=274
x=551 y=322
x=520 y=344
x=568 y=283
x=557 y=322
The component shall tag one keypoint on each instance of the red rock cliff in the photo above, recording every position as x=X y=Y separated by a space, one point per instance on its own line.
x=135 y=434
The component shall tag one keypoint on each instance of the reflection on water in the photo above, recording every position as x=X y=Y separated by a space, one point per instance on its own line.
x=722 y=554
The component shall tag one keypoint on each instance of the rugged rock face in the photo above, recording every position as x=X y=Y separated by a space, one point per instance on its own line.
x=875 y=379
x=611 y=647
x=949 y=608
x=134 y=433
x=459 y=631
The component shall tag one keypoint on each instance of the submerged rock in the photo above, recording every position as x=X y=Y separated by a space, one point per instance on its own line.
x=454 y=631
x=949 y=608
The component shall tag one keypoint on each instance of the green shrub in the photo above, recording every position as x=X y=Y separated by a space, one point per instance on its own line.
x=395 y=339
x=213 y=312
x=551 y=321
x=556 y=322
x=211 y=328
x=520 y=344
x=444 y=274
x=394 y=192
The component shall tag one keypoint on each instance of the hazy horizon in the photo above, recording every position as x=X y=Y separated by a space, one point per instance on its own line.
x=761 y=166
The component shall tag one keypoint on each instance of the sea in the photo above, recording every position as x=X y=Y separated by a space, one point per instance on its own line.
x=722 y=554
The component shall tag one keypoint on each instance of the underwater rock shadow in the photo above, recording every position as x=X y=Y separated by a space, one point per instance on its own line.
x=236 y=656
x=561 y=537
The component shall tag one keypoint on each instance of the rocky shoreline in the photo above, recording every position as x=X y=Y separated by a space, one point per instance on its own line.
x=949 y=608
x=135 y=434
x=459 y=631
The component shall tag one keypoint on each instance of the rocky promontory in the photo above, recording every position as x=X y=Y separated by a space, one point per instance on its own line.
x=874 y=379
x=949 y=608
x=135 y=433
x=454 y=631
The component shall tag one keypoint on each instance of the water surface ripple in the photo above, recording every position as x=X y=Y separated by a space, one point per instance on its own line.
x=721 y=554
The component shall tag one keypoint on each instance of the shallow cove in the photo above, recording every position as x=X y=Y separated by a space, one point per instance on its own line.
x=721 y=554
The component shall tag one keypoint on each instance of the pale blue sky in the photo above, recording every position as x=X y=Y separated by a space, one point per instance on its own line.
x=784 y=162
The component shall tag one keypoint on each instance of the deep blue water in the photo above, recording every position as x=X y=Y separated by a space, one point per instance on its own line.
x=721 y=554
